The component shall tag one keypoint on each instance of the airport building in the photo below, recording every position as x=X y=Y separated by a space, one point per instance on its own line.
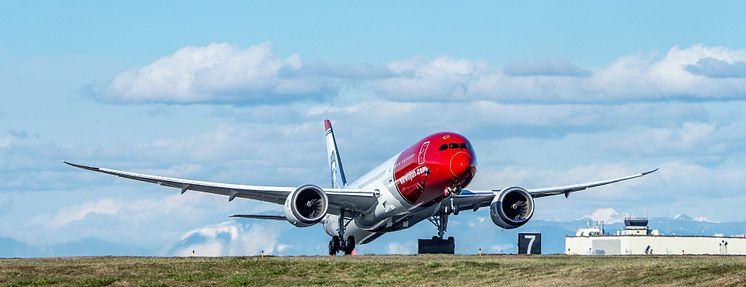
x=638 y=239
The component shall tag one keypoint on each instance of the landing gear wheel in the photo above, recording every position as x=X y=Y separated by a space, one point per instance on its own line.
x=336 y=243
x=334 y=246
x=350 y=245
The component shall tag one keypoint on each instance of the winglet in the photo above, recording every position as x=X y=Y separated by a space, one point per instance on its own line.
x=81 y=166
x=650 y=171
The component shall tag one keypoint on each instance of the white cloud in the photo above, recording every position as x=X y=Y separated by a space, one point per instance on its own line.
x=226 y=141
x=228 y=239
x=66 y=215
x=629 y=78
x=650 y=77
x=439 y=79
x=217 y=72
x=687 y=136
x=281 y=248
x=688 y=180
x=132 y=210
x=607 y=215
x=704 y=219
x=401 y=248
x=476 y=221
x=500 y=248
x=224 y=73
x=635 y=77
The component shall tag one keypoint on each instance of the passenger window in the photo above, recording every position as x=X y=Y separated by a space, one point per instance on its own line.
x=443 y=147
x=452 y=145
x=463 y=146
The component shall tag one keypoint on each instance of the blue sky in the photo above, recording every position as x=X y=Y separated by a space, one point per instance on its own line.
x=549 y=92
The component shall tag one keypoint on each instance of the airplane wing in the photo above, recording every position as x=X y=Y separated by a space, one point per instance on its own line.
x=468 y=199
x=349 y=199
x=567 y=189
x=260 y=216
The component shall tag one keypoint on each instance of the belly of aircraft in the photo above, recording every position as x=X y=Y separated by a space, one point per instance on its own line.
x=366 y=234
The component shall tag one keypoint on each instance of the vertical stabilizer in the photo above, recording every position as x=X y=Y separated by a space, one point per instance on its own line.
x=332 y=155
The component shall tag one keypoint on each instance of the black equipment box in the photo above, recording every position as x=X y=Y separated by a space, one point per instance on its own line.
x=436 y=246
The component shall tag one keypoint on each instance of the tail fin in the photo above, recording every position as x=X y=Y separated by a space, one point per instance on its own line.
x=335 y=161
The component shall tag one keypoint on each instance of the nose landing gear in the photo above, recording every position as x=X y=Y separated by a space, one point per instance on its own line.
x=437 y=245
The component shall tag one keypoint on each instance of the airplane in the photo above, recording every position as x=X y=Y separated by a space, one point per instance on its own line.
x=427 y=180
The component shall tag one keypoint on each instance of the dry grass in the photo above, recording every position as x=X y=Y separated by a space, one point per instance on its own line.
x=431 y=270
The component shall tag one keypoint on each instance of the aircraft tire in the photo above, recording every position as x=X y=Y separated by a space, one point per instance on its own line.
x=334 y=245
x=350 y=246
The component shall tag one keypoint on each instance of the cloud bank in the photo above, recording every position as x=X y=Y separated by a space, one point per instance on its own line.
x=225 y=73
x=218 y=72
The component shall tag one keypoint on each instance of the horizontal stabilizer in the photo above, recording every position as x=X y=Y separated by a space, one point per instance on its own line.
x=260 y=216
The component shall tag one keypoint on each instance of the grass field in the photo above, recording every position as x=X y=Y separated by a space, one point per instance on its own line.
x=430 y=270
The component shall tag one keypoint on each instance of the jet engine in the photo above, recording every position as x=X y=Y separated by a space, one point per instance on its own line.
x=306 y=205
x=512 y=208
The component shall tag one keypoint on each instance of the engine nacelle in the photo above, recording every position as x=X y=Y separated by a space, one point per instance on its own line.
x=512 y=208
x=306 y=205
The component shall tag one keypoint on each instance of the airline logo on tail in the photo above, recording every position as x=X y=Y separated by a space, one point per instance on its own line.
x=335 y=162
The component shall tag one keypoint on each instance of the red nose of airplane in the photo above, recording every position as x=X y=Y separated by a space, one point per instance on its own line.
x=460 y=163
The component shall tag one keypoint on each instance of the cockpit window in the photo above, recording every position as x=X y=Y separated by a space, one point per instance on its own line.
x=454 y=146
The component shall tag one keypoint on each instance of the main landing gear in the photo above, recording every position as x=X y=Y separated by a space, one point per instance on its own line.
x=338 y=243
x=437 y=245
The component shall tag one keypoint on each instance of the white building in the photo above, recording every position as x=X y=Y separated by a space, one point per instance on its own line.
x=638 y=239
